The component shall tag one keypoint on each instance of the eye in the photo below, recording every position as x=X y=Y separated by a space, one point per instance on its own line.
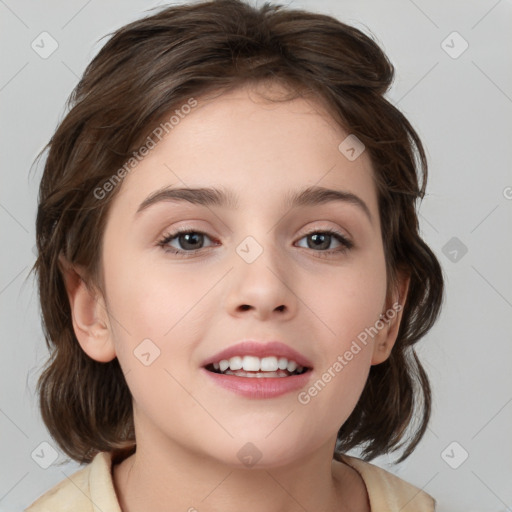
x=321 y=240
x=189 y=241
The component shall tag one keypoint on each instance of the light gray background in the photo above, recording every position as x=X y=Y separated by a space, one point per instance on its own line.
x=461 y=108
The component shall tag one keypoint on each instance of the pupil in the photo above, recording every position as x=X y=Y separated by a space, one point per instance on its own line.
x=321 y=238
x=187 y=238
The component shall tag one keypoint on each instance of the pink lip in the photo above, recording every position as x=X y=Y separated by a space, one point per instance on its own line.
x=254 y=387
x=254 y=348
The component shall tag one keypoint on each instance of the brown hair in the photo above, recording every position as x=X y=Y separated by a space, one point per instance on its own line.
x=150 y=67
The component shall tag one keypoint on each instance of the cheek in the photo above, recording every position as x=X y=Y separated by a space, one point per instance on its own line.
x=348 y=304
x=349 y=300
x=149 y=314
x=149 y=301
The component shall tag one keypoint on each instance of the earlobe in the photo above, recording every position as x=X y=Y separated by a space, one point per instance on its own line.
x=390 y=320
x=89 y=315
x=381 y=351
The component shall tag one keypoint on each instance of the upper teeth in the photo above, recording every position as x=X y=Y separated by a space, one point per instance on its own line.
x=255 y=364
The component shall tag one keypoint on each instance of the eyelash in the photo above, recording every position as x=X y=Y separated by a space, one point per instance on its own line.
x=346 y=244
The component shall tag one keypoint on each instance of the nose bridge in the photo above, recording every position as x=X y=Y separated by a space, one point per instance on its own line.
x=259 y=240
x=260 y=278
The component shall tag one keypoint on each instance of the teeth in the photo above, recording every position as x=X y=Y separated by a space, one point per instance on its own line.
x=269 y=364
x=250 y=364
x=282 y=363
x=255 y=364
x=242 y=373
x=236 y=363
x=292 y=366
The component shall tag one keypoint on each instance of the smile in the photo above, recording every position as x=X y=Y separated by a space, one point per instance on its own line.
x=252 y=366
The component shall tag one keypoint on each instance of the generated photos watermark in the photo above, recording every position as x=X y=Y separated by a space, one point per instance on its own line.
x=304 y=397
x=150 y=143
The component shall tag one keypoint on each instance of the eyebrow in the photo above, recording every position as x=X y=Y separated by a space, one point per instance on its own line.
x=211 y=196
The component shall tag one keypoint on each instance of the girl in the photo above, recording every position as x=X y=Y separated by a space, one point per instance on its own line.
x=231 y=275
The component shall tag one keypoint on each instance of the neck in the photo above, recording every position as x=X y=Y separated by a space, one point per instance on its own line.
x=176 y=479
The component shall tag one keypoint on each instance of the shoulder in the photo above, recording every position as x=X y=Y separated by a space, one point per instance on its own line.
x=83 y=491
x=389 y=493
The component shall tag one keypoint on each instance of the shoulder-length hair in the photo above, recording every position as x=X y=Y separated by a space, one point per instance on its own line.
x=145 y=71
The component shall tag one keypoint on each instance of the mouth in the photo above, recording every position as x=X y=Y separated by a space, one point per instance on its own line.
x=254 y=367
x=258 y=370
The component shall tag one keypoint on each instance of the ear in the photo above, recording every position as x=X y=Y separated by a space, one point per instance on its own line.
x=89 y=314
x=390 y=318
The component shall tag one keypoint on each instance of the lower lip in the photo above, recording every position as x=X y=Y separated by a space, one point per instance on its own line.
x=259 y=387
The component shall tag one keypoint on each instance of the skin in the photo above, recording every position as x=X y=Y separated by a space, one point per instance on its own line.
x=189 y=431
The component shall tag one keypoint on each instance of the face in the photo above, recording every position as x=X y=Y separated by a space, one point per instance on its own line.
x=257 y=268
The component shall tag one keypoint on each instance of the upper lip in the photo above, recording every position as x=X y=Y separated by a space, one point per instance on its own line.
x=259 y=349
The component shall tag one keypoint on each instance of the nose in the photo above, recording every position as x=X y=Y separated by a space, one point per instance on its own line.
x=262 y=288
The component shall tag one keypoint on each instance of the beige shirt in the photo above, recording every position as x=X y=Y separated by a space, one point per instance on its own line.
x=93 y=486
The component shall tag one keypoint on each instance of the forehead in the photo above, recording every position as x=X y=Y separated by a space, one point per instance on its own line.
x=257 y=148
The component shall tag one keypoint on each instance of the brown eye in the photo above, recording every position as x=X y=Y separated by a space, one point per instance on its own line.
x=182 y=241
x=190 y=241
x=321 y=240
